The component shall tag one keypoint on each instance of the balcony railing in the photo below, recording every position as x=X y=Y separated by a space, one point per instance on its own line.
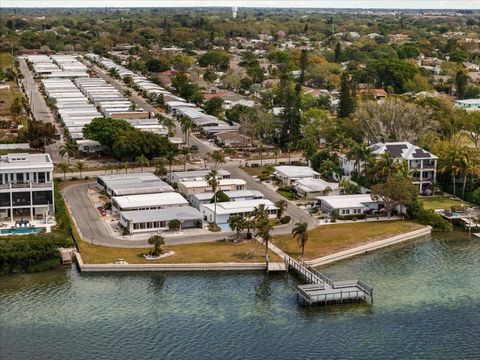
x=25 y=185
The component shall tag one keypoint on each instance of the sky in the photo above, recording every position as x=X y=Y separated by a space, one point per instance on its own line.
x=388 y=4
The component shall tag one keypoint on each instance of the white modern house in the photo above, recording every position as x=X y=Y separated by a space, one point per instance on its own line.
x=26 y=186
x=348 y=204
x=289 y=174
x=242 y=208
x=468 y=104
x=132 y=184
x=311 y=188
x=157 y=220
x=177 y=176
x=196 y=200
x=421 y=163
x=148 y=202
x=200 y=186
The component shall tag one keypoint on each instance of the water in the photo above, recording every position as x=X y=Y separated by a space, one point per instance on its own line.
x=29 y=230
x=427 y=306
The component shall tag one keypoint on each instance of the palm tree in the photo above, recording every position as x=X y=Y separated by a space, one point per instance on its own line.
x=174 y=225
x=276 y=151
x=168 y=122
x=263 y=225
x=186 y=124
x=185 y=152
x=142 y=161
x=468 y=164
x=212 y=180
x=113 y=72
x=300 y=232
x=133 y=107
x=157 y=241
x=218 y=157
x=80 y=166
x=237 y=223
x=64 y=167
x=360 y=153
x=282 y=207
x=125 y=166
x=249 y=224
x=260 y=151
x=70 y=149
x=160 y=169
x=170 y=155
x=127 y=93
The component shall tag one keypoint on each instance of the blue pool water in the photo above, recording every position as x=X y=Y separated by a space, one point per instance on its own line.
x=16 y=231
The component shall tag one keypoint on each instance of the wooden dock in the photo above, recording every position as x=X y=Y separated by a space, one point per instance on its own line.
x=320 y=290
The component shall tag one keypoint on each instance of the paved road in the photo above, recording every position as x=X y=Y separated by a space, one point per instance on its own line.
x=203 y=148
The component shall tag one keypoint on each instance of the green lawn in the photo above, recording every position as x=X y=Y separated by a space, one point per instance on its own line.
x=440 y=202
x=287 y=195
x=211 y=252
x=329 y=239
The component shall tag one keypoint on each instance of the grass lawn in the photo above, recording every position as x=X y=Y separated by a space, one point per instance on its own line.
x=440 y=202
x=253 y=171
x=211 y=252
x=329 y=239
x=288 y=195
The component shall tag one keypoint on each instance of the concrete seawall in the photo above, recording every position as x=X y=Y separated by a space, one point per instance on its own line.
x=168 y=267
x=364 y=249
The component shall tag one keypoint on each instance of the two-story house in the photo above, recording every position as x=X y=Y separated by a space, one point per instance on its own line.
x=26 y=186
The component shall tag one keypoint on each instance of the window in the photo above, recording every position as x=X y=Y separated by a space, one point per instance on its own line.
x=42 y=197
x=4 y=199
x=21 y=198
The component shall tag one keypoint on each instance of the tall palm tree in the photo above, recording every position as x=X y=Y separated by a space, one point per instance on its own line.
x=185 y=152
x=168 y=122
x=142 y=161
x=218 y=157
x=64 y=167
x=300 y=232
x=212 y=180
x=170 y=155
x=360 y=153
x=237 y=223
x=70 y=149
x=80 y=166
x=468 y=164
x=276 y=151
x=282 y=207
x=113 y=72
x=186 y=124
x=157 y=241
x=127 y=93
x=262 y=225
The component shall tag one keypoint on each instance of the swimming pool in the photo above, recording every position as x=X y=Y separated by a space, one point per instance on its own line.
x=22 y=231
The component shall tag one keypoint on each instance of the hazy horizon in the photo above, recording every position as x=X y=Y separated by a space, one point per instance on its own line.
x=367 y=4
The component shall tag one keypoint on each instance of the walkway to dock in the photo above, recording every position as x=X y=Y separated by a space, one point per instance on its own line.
x=319 y=289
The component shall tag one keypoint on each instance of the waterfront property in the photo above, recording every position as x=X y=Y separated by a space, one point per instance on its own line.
x=132 y=184
x=178 y=176
x=201 y=186
x=311 y=188
x=349 y=204
x=243 y=208
x=196 y=200
x=155 y=220
x=468 y=104
x=289 y=174
x=148 y=201
x=26 y=187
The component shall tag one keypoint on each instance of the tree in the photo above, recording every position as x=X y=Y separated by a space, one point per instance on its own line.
x=168 y=122
x=174 y=225
x=461 y=82
x=105 y=130
x=217 y=59
x=236 y=223
x=113 y=72
x=392 y=72
x=70 y=149
x=127 y=93
x=213 y=182
x=160 y=169
x=16 y=106
x=300 y=232
x=186 y=125
x=185 y=152
x=262 y=224
x=218 y=157
x=221 y=197
x=395 y=191
x=142 y=161
x=359 y=153
x=64 y=167
x=338 y=52
x=80 y=166
x=394 y=120
x=347 y=103
x=282 y=207
x=131 y=144
x=213 y=106
x=157 y=241
x=40 y=134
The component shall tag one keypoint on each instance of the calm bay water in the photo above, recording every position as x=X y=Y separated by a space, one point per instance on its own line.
x=427 y=306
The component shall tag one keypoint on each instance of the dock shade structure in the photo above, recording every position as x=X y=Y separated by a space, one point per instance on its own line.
x=288 y=174
x=349 y=204
x=132 y=184
x=177 y=176
x=148 y=201
x=236 y=195
x=201 y=186
x=243 y=208
x=155 y=220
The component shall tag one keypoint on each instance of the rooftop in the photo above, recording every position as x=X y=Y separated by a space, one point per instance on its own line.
x=346 y=201
x=197 y=174
x=143 y=200
x=180 y=213
x=296 y=171
x=403 y=150
x=234 y=194
x=135 y=183
x=242 y=206
x=203 y=183
x=313 y=185
x=16 y=161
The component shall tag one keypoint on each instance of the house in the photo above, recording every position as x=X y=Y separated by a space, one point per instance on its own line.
x=132 y=184
x=243 y=208
x=157 y=220
x=474 y=77
x=232 y=139
x=288 y=174
x=200 y=186
x=148 y=201
x=468 y=104
x=377 y=94
x=311 y=188
x=26 y=186
x=177 y=176
x=349 y=204
x=235 y=195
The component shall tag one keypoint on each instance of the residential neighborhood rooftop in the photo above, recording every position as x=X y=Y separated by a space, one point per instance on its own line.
x=180 y=213
x=144 y=200
x=404 y=150
x=346 y=201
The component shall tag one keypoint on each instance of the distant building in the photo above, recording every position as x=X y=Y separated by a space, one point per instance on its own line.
x=288 y=174
x=243 y=208
x=148 y=201
x=468 y=104
x=177 y=176
x=26 y=186
x=349 y=204
x=196 y=200
x=311 y=188
x=132 y=184
x=200 y=186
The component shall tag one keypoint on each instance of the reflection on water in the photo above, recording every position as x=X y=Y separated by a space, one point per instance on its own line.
x=427 y=306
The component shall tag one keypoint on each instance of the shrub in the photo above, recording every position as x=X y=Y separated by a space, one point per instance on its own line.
x=285 y=219
x=214 y=228
x=352 y=217
x=427 y=217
